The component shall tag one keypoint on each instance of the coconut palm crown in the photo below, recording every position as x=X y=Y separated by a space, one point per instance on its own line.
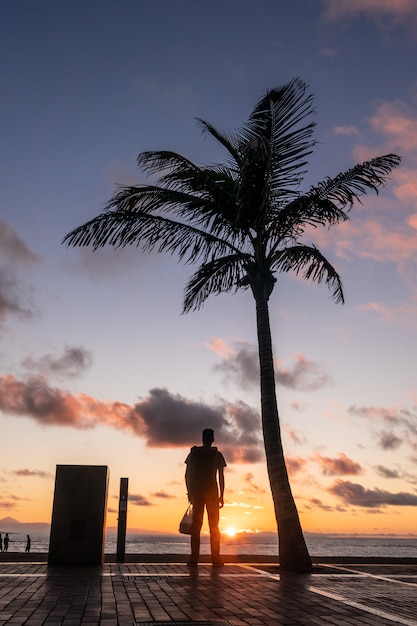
x=242 y=221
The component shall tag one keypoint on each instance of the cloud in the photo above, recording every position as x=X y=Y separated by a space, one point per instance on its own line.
x=316 y=503
x=393 y=10
x=345 y=130
x=12 y=302
x=250 y=485
x=387 y=421
x=386 y=230
x=10 y=502
x=397 y=121
x=13 y=249
x=29 y=473
x=294 y=465
x=162 y=419
x=387 y=472
x=221 y=348
x=339 y=466
x=7 y=504
x=356 y=495
x=304 y=376
x=171 y=420
x=74 y=361
x=48 y=405
x=300 y=407
x=138 y=500
x=243 y=505
x=240 y=365
x=14 y=253
x=384 y=237
x=295 y=436
x=389 y=441
x=163 y=495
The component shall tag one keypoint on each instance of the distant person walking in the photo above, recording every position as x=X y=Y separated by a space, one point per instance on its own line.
x=6 y=543
x=28 y=542
x=204 y=478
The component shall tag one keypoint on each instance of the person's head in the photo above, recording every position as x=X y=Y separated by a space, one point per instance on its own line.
x=208 y=436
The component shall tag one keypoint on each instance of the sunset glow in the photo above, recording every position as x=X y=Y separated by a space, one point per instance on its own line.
x=98 y=365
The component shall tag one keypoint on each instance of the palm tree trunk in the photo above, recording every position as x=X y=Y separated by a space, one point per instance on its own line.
x=293 y=553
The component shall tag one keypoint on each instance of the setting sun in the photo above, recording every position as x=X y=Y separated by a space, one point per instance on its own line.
x=230 y=531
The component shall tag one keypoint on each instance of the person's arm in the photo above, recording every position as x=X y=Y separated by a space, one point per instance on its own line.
x=221 y=486
x=188 y=484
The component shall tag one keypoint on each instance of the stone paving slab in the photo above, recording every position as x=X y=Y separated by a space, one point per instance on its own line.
x=140 y=594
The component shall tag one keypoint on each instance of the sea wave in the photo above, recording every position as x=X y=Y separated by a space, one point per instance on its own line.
x=265 y=544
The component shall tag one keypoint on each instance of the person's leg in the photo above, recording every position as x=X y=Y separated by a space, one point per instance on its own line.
x=198 y=513
x=213 y=514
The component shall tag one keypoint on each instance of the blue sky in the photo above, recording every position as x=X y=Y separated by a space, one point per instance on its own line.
x=90 y=339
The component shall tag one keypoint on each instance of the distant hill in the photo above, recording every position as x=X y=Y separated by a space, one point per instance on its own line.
x=11 y=525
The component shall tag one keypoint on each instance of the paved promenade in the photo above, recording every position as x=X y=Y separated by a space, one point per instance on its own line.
x=239 y=594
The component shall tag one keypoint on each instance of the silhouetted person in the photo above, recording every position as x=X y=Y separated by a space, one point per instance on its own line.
x=28 y=542
x=6 y=543
x=1 y=543
x=204 y=478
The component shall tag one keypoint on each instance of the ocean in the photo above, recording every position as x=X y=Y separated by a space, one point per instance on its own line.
x=246 y=544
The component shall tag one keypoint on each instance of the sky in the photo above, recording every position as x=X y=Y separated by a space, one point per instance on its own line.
x=98 y=365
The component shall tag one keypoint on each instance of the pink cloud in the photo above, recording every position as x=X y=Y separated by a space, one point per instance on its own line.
x=413 y=218
x=305 y=375
x=162 y=419
x=383 y=312
x=398 y=122
x=397 y=10
x=51 y=406
x=295 y=465
x=339 y=466
x=387 y=237
x=221 y=348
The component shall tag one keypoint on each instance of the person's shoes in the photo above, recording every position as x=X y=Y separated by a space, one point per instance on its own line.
x=192 y=563
x=218 y=563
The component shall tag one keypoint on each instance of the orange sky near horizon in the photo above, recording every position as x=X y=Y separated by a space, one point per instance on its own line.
x=248 y=510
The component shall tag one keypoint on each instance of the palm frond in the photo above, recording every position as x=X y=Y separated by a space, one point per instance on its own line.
x=290 y=222
x=125 y=228
x=347 y=187
x=313 y=265
x=229 y=140
x=247 y=212
x=280 y=118
x=208 y=191
x=220 y=275
x=154 y=162
x=211 y=211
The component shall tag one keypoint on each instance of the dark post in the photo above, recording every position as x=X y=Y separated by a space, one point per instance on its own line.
x=121 y=522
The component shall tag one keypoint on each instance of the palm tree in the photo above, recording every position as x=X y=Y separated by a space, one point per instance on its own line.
x=243 y=222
